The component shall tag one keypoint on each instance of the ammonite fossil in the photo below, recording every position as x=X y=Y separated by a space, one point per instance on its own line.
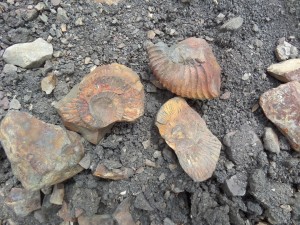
x=111 y=93
x=188 y=69
x=186 y=133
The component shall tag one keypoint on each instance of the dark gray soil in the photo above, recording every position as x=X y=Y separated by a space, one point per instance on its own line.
x=117 y=34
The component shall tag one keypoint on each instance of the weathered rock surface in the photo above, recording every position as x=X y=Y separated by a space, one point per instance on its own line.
x=48 y=83
x=108 y=2
x=285 y=50
x=271 y=141
x=23 y=202
x=29 y=55
x=112 y=174
x=41 y=154
x=286 y=71
x=236 y=185
x=233 y=24
x=282 y=106
x=66 y=213
x=122 y=213
x=57 y=195
x=142 y=203
x=96 y=219
x=272 y=195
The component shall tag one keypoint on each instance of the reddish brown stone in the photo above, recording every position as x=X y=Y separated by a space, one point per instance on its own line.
x=109 y=94
x=122 y=213
x=114 y=174
x=23 y=202
x=282 y=106
x=41 y=154
x=66 y=213
x=286 y=71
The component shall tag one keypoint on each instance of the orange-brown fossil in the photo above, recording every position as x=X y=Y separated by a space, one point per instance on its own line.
x=188 y=69
x=186 y=133
x=110 y=93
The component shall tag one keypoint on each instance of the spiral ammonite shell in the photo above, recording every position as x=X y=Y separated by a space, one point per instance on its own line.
x=188 y=69
x=111 y=93
x=186 y=133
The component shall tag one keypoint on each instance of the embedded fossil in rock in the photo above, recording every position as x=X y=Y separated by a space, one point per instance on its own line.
x=110 y=93
x=188 y=69
x=186 y=133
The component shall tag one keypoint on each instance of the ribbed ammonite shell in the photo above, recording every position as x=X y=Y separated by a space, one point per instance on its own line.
x=111 y=93
x=186 y=133
x=188 y=69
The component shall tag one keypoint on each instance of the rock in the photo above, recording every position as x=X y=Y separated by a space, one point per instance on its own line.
x=225 y=95
x=29 y=55
x=113 y=174
x=23 y=202
x=86 y=201
x=271 y=195
x=47 y=190
x=122 y=213
x=57 y=195
x=68 y=68
x=141 y=203
x=285 y=50
x=167 y=221
x=233 y=24
x=220 y=18
x=79 y=21
x=4 y=103
x=281 y=105
x=49 y=83
x=14 y=104
x=151 y=34
x=66 y=213
x=30 y=14
x=243 y=146
x=40 y=6
x=271 y=142
x=254 y=208
x=62 y=15
x=108 y=2
x=9 y=69
x=286 y=71
x=96 y=219
x=146 y=144
x=55 y=2
x=19 y=35
x=40 y=154
x=246 y=76
x=236 y=185
x=85 y=162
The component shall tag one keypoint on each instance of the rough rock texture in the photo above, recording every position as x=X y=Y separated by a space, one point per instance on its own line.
x=112 y=174
x=108 y=2
x=96 y=220
x=57 y=195
x=23 y=202
x=282 y=106
x=29 y=55
x=233 y=24
x=48 y=83
x=285 y=50
x=286 y=71
x=41 y=154
x=273 y=196
x=122 y=213
x=271 y=142
x=186 y=133
x=236 y=185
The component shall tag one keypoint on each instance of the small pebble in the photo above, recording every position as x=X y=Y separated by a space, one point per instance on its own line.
x=14 y=104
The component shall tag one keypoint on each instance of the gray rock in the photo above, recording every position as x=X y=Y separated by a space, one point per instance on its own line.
x=55 y=2
x=285 y=50
x=141 y=203
x=271 y=142
x=233 y=24
x=19 y=35
x=236 y=185
x=14 y=104
x=28 y=55
x=30 y=14
x=254 y=208
x=9 y=69
x=243 y=146
x=167 y=221
x=272 y=195
x=62 y=15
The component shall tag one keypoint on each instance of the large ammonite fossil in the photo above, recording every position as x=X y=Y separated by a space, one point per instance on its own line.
x=111 y=93
x=188 y=69
x=186 y=133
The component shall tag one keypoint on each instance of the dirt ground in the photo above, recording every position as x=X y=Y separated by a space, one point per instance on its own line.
x=117 y=34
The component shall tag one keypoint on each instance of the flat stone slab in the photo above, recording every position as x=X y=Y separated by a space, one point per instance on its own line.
x=29 y=55
x=282 y=106
x=40 y=154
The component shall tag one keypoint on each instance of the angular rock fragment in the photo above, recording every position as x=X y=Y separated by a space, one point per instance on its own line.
x=40 y=154
x=48 y=83
x=29 y=55
x=108 y=2
x=122 y=213
x=85 y=162
x=188 y=69
x=286 y=71
x=281 y=105
x=57 y=195
x=236 y=185
x=66 y=213
x=271 y=142
x=23 y=202
x=186 y=133
x=109 y=94
x=233 y=24
x=141 y=203
x=113 y=174
x=285 y=50
x=96 y=220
